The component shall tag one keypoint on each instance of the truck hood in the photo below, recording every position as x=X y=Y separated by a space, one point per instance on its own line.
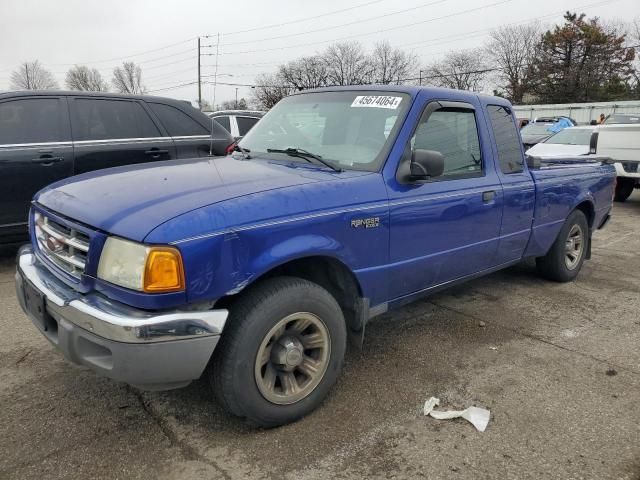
x=533 y=139
x=131 y=201
x=557 y=150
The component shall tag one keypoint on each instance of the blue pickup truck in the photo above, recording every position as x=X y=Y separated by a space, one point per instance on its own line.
x=256 y=268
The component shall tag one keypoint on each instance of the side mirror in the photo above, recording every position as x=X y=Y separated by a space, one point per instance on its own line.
x=426 y=164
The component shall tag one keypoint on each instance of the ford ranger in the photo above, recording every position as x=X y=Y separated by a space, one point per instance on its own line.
x=255 y=269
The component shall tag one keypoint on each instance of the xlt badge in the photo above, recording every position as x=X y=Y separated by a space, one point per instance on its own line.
x=372 y=222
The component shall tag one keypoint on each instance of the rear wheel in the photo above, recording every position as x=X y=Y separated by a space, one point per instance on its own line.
x=624 y=188
x=565 y=258
x=280 y=353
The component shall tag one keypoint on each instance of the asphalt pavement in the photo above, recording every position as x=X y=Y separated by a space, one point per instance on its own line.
x=558 y=366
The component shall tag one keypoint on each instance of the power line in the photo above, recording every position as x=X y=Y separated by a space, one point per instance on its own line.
x=474 y=33
x=274 y=25
x=359 y=21
x=376 y=31
x=93 y=62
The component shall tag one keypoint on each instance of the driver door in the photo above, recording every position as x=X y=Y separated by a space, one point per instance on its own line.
x=447 y=227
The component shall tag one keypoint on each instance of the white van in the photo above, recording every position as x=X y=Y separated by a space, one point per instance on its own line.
x=621 y=142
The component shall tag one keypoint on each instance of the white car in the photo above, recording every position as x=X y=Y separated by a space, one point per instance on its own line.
x=237 y=122
x=568 y=142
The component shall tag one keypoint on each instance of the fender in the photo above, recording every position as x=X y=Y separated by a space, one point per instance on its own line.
x=294 y=248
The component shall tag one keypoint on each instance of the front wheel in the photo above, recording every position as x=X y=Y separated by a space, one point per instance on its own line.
x=281 y=351
x=567 y=254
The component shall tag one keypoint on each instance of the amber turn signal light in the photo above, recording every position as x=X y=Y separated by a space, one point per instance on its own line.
x=163 y=271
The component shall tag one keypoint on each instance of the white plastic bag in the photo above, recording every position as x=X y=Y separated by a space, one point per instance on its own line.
x=478 y=417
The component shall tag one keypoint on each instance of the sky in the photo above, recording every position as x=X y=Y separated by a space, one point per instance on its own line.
x=255 y=36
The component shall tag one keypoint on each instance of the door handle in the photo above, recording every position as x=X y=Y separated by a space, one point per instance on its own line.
x=47 y=160
x=156 y=152
x=488 y=196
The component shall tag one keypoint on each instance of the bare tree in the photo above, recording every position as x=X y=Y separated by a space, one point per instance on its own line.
x=241 y=104
x=633 y=37
x=306 y=72
x=392 y=65
x=82 y=77
x=32 y=76
x=348 y=64
x=269 y=90
x=513 y=50
x=462 y=70
x=128 y=79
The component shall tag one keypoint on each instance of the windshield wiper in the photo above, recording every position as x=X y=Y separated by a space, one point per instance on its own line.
x=299 y=152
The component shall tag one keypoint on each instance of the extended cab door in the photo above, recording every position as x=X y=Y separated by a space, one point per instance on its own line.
x=517 y=184
x=447 y=227
x=110 y=132
x=35 y=150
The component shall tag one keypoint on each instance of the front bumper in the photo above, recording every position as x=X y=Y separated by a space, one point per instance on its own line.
x=150 y=350
x=621 y=171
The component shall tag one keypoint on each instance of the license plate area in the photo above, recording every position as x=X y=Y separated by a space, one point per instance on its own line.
x=34 y=301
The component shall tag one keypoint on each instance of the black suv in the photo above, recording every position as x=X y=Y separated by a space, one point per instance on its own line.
x=49 y=135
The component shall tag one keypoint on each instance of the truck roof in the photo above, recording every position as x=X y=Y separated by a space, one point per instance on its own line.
x=413 y=90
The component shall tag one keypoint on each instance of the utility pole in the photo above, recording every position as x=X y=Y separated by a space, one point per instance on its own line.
x=199 y=79
x=215 y=75
x=420 y=78
x=236 y=98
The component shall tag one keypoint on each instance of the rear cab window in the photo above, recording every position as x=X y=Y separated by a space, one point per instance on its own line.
x=32 y=120
x=507 y=139
x=109 y=119
x=177 y=123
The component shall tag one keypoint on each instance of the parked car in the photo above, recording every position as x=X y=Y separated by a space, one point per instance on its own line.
x=257 y=267
x=49 y=135
x=237 y=122
x=568 y=142
x=542 y=128
x=622 y=144
x=622 y=118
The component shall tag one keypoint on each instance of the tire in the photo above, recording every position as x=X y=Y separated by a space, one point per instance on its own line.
x=558 y=264
x=624 y=188
x=279 y=320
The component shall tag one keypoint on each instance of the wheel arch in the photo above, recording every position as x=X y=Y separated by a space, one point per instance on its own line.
x=324 y=269
x=586 y=206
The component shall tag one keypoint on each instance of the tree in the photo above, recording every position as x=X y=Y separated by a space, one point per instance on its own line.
x=269 y=90
x=392 y=65
x=306 y=72
x=582 y=61
x=513 y=50
x=634 y=39
x=82 y=77
x=128 y=79
x=347 y=64
x=232 y=105
x=32 y=76
x=462 y=69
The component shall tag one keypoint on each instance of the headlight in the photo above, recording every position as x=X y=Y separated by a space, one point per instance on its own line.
x=141 y=267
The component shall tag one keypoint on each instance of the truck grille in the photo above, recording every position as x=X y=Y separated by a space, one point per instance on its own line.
x=630 y=167
x=65 y=247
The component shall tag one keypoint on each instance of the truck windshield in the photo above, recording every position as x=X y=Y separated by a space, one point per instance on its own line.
x=349 y=129
x=571 y=136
